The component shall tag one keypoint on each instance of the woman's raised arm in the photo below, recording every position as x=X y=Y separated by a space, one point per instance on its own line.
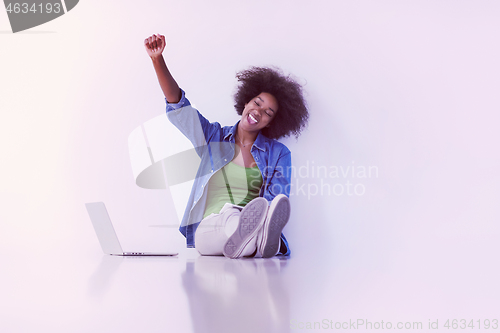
x=154 y=47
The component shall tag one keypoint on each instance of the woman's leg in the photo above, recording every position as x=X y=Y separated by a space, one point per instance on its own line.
x=214 y=231
x=211 y=234
x=237 y=232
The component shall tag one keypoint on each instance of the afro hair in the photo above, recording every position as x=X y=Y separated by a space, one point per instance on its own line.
x=292 y=115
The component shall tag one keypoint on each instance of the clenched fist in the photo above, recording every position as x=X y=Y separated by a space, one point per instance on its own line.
x=155 y=45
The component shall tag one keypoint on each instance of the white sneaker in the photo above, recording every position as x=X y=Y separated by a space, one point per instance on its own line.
x=251 y=220
x=277 y=217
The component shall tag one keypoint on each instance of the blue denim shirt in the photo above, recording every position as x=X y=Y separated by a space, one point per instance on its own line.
x=214 y=144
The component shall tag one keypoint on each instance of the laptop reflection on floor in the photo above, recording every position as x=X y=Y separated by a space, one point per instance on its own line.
x=107 y=235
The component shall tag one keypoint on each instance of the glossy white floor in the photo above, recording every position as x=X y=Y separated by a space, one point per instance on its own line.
x=90 y=292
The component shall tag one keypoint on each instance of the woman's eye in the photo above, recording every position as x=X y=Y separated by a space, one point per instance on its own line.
x=256 y=103
x=268 y=114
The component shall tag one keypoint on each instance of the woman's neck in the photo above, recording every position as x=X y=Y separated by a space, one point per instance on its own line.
x=246 y=137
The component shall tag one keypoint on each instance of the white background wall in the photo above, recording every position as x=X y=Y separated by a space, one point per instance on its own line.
x=410 y=87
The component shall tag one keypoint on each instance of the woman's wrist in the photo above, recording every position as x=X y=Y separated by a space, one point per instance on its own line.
x=157 y=58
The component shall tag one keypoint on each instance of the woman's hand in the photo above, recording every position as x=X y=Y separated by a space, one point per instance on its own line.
x=155 y=45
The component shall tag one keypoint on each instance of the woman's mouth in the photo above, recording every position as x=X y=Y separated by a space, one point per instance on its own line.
x=252 y=120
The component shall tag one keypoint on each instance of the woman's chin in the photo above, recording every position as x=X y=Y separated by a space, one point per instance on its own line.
x=248 y=127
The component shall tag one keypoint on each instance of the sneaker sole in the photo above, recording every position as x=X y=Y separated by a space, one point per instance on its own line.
x=251 y=220
x=272 y=230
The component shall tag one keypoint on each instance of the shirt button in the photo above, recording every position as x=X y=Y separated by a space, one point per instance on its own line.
x=225 y=160
x=212 y=171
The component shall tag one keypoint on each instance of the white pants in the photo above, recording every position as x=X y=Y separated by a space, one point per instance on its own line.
x=214 y=230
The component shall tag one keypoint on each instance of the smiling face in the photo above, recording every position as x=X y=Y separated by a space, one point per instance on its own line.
x=259 y=112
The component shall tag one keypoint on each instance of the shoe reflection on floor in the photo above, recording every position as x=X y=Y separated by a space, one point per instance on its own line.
x=243 y=295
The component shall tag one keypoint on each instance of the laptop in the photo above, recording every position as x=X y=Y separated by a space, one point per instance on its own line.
x=107 y=235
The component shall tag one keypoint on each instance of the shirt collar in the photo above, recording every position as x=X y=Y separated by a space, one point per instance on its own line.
x=260 y=141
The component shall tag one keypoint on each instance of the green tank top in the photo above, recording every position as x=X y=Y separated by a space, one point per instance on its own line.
x=233 y=183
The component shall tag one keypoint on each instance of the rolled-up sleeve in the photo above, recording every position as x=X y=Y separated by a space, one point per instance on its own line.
x=182 y=103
